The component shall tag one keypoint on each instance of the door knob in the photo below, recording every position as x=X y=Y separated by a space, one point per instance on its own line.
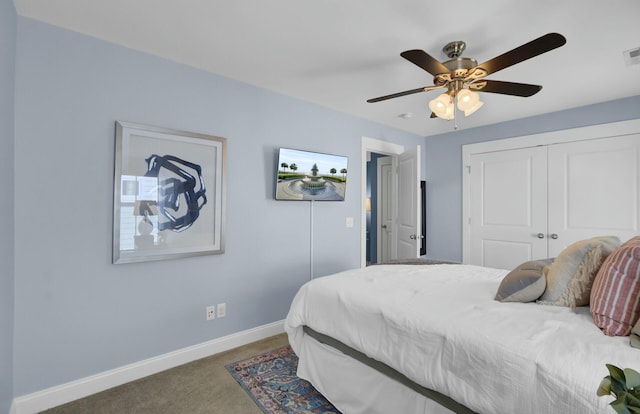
x=413 y=237
x=384 y=226
x=540 y=235
x=554 y=236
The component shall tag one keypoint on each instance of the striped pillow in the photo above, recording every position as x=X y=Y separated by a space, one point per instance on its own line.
x=615 y=295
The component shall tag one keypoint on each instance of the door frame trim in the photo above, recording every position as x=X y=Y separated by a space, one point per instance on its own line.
x=612 y=129
x=382 y=147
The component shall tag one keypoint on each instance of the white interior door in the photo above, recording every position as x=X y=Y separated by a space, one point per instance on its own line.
x=593 y=190
x=408 y=218
x=368 y=146
x=508 y=207
x=385 y=205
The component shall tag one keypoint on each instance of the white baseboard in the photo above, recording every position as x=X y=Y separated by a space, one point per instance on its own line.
x=61 y=394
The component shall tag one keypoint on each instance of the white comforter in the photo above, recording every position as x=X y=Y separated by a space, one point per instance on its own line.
x=439 y=325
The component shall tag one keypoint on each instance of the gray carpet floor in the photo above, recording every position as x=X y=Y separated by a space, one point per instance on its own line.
x=199 y=387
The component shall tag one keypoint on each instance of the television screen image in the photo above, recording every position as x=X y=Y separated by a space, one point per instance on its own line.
x=310 y=176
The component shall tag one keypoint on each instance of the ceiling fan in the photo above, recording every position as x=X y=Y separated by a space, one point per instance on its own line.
x=463 y=77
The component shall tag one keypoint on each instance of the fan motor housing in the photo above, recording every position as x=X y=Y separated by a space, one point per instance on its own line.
x=460 y=63
x=458 y=68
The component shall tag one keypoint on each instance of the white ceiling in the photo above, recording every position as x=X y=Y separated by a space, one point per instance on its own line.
x=339 y=53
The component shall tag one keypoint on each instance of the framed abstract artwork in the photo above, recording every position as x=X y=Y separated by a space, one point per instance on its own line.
x=169 y=194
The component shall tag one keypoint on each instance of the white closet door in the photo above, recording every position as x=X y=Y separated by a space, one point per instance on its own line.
x=508 y=199
x=593 y=190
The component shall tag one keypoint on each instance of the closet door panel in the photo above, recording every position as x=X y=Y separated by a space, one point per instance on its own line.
x=593 y=190
x=508 y=201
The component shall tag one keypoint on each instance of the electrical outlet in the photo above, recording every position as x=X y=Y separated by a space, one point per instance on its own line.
x=222 y=310
x=211 y=313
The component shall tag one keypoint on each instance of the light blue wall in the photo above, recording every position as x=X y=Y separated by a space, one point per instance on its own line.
x=443 y=155
x=7 y=65
x=76 y=314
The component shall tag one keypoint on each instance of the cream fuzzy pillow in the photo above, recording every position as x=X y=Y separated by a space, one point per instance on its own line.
x=570 y=277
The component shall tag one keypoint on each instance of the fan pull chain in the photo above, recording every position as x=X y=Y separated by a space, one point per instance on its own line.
x=455 y=110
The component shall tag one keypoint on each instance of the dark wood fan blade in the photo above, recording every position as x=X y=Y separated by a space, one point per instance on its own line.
x=534 y=48
x=395 y=95
x=425 y=61
x=505 y=88
x=409 y=92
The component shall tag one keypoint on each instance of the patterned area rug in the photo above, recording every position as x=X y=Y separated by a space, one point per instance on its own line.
x=271 y=380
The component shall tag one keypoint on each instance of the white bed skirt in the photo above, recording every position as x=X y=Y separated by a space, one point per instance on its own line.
x=355 y=388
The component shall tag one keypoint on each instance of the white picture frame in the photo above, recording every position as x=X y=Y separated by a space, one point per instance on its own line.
x=169 y=194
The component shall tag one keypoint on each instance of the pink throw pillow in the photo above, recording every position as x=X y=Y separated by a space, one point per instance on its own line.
x=615 y=294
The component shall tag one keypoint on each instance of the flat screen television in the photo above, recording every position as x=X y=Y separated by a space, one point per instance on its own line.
x=310 y=176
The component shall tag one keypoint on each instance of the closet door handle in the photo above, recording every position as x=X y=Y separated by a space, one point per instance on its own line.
x=541 y=235
x=554 y=236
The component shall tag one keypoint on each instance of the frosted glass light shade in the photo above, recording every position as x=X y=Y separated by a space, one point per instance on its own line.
x=468 y=101
x=473 y=109
x=442 y=106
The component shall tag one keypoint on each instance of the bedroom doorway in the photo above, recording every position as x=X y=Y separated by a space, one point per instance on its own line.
x=403 y=204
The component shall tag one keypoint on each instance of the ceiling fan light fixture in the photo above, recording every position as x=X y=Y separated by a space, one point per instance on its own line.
x=468 y=101
x=442 y=106
x=463 y=77
x=473 y=109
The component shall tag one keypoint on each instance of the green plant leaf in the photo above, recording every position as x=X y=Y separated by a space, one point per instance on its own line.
x=605 y=387
x=632 y=378
x=620 y=406
x=625 y=386
x=616 y=373
x=632 y=400
x=618 y=387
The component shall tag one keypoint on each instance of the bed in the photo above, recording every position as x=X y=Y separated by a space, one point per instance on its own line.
x=432 y=339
